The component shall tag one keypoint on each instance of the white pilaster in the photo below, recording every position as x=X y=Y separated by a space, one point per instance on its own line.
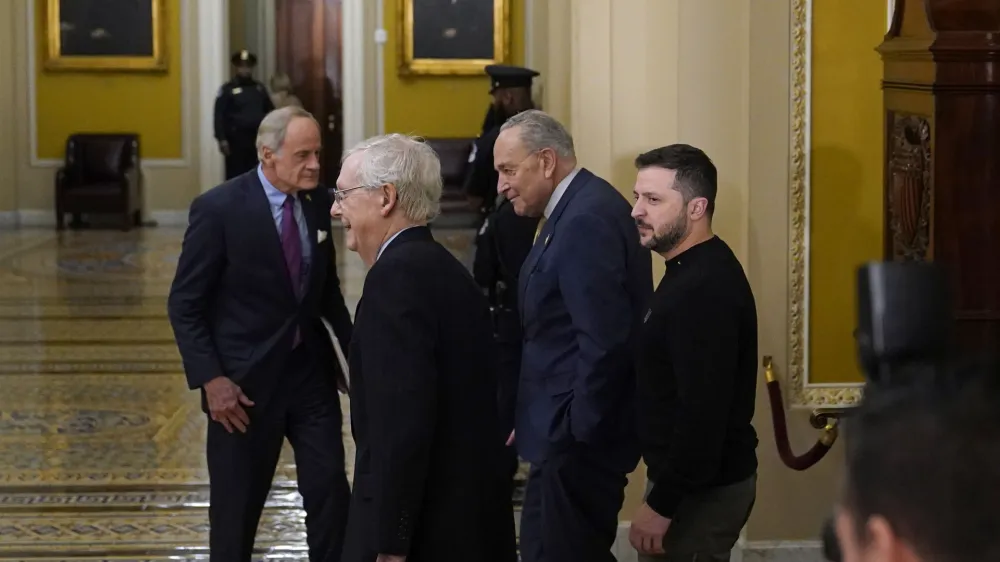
x=213 y=65
x=353 y=41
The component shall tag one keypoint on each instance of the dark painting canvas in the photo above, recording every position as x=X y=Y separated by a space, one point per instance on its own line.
x=453 y=29
x=106 y=28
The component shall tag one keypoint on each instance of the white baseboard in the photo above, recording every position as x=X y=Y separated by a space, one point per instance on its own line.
x=622 y=549
x=744 y=551
x=169 y=218
x=40 y=218
x=782 y=551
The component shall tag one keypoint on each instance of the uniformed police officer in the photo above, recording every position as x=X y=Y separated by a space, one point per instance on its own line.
x=504 y=239
x=240 y=106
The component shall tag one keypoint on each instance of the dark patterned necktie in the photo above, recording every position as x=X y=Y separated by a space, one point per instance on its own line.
x=291 y=243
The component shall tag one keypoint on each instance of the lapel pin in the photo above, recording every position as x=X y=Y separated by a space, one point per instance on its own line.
x=547 y=239
x=320 y=236
x=308 y=197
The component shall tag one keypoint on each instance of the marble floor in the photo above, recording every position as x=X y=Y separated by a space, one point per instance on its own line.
x=101 y=443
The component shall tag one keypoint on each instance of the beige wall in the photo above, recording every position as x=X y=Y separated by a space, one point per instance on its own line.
x=27 y=187
x=716 y=75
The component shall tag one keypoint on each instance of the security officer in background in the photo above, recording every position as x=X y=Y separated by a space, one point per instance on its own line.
x=504 y=239
x=240 y=106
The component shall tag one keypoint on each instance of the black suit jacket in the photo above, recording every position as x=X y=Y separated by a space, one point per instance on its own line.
x=428 y=479
x=232 y=306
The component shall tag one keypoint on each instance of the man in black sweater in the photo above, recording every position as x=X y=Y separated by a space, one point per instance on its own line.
x=696 y=365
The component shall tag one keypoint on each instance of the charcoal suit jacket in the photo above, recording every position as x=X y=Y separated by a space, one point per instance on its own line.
x=584 y=289
x=232 y=305
x=429 y=479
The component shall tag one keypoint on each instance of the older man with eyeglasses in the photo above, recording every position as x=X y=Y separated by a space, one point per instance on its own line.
x=429 y=485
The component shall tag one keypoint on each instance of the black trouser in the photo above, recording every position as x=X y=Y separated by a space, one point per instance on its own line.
x=304 y=408
x=242 y=155
x=571 y=507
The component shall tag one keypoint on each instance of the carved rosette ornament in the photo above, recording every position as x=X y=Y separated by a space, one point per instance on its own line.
x=910 y=189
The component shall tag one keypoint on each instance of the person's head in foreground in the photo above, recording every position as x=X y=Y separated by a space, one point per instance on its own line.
x=387 y=183
x=288 y=147
x=923 y=470
x=532 y=154
x=675 y=190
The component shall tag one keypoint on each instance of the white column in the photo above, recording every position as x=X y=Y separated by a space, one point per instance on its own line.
x=353 y=39
x=213 y=66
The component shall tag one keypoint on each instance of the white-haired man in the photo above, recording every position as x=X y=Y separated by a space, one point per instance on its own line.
x=429 y=485
x=256 y=276
x=583 y=291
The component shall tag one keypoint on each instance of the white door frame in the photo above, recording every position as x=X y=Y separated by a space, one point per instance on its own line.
x=213 y=71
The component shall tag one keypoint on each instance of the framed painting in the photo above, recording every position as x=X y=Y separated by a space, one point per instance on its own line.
x=105 y=35
x=452 y=37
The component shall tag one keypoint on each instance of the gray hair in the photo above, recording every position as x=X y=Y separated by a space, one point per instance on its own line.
x=272 y=130
x=538 y=130
x=409 y=164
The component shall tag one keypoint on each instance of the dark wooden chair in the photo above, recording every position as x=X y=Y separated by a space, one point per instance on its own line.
x=454 y=156
x=101 y=174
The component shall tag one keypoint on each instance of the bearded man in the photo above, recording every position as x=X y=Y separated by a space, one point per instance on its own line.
x=696 y=368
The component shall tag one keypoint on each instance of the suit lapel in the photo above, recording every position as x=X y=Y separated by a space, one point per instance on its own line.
x=260 y=227
x=542 y=242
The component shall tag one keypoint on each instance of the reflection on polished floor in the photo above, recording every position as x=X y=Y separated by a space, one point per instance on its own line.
x=101 y=444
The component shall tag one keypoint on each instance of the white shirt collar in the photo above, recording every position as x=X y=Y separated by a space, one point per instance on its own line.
x=559 y=192
x=389 y=241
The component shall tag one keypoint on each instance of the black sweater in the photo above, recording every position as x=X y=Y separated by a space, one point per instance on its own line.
x=697 y=371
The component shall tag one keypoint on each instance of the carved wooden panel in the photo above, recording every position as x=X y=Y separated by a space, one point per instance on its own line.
x=910 y=191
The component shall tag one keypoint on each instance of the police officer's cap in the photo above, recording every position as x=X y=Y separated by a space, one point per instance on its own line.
x=506 y=76
x=244 y=58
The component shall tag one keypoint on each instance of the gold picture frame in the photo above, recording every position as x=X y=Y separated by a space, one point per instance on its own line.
x=57 y=59
x=804 y=394
x=410 y=64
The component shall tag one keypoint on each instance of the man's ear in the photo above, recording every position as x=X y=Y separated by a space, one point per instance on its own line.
x=547 y=159
x=387 y=201
x=698 y=208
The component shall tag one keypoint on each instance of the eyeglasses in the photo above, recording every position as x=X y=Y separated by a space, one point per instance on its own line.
x=338 y=194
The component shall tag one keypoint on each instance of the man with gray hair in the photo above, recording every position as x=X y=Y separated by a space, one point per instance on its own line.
x=583 y=289
x=255 y=281
x=428 y=482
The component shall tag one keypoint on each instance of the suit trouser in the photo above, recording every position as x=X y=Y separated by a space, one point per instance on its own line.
x=304 y=408
x=571 y=506
x=707 y=524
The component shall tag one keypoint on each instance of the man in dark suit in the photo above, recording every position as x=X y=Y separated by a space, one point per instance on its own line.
x=255 y=280
x=428 y=484
x=584 y=288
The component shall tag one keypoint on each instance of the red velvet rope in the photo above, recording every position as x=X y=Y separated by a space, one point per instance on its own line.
x=802 y=462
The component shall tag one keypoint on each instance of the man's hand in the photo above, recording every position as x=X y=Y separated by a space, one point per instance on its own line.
x=647 y=531
x=225 y=404
x=390 y=558
x=510 y=440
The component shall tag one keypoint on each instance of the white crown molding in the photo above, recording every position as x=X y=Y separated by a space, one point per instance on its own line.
x=186 y=63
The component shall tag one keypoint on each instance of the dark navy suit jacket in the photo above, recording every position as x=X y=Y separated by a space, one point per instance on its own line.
x=584 y=289
x=232 y=305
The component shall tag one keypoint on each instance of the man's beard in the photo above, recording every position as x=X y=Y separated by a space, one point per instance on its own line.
x=663 y=242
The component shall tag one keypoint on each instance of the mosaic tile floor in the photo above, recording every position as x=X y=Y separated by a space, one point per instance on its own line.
x=101 y=443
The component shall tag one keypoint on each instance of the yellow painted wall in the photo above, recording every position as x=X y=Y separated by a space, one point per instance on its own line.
x=439 y=106
x=149 y=104
x=846 y=188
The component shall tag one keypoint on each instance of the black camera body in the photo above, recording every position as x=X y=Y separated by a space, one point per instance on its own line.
x=904 y=318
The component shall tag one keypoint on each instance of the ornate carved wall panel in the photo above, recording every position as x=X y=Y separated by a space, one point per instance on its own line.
x=909 y=187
